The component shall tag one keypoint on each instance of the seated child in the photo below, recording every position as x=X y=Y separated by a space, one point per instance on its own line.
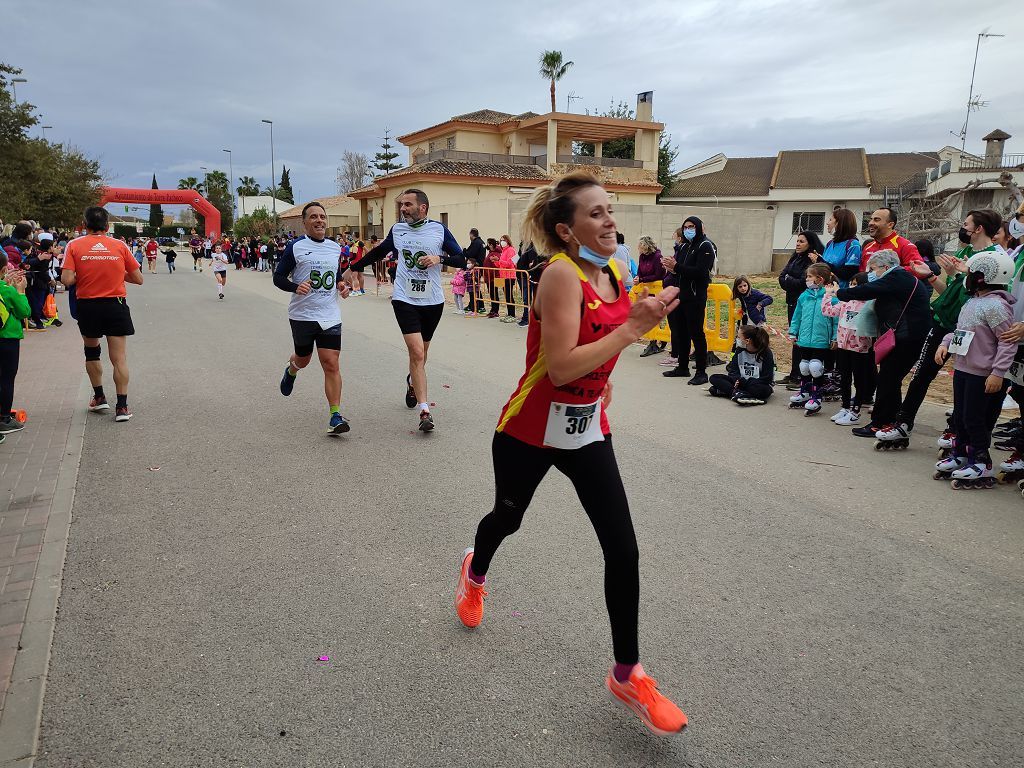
x=749 y=376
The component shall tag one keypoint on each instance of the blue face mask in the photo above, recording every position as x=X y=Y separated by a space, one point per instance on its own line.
x=689 y=234
x=588 y=255
x=872 y=277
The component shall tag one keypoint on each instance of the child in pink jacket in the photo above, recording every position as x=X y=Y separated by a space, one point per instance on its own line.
x=854 y=359
x=459 y=290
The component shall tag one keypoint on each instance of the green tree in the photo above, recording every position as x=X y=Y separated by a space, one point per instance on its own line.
x=260 y=223
x=384 y=161
x=156 y=212
x=51 y=183
x=219 y=194
x=624 y=148
x=553 y=68
x=284 y=189
x=247 y=186
x=191 y=182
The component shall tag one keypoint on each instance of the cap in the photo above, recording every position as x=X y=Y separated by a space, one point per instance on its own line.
x=44 y=236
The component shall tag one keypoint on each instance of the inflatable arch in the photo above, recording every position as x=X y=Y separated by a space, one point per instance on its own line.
x=190 y=197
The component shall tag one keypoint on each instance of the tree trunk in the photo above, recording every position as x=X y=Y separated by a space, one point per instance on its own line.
x=552 y=94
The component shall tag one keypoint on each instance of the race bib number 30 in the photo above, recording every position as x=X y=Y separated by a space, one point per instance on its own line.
x=961 y=342
x=573 y=426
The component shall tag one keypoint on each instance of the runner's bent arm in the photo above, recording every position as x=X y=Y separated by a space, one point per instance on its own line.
x=284 y=268
x=375 y=254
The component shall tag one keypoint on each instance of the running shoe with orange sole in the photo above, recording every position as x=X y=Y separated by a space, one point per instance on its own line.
x=469 y=597
x=640 y=693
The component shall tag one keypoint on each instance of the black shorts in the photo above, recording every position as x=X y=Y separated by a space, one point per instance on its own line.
x=307 y=332
x=418 y=318
x=104 y=317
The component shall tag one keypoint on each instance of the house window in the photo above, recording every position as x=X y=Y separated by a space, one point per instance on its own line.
x=811 y=222
x=451 y=142
x=432 y=147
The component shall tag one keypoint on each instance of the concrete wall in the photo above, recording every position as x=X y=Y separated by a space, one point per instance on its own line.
x=743 y=236
x=477 y=141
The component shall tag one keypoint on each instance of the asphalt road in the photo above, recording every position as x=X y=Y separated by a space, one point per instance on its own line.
x=806 y=600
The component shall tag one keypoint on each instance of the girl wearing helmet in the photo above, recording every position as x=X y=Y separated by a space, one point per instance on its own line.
x=982 y=361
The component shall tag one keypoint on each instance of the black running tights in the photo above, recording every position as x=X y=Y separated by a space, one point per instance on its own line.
x=10 y=352
x=518 y=470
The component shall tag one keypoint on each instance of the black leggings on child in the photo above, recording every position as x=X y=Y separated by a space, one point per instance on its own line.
x=975 y=412
x=594 y=473
x=725 y=385
x=10 y=353
x=858 y=369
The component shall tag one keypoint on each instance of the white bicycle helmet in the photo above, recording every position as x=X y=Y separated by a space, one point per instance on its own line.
x=996 y=267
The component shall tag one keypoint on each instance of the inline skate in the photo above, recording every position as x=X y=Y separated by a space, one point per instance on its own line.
x=801 y=397
x=945 y=468
x=976 y=473
x=893 y=437
x=1012 y=469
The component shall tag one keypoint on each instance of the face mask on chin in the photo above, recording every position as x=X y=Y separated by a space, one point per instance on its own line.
x=588 y=255
x=811 y=284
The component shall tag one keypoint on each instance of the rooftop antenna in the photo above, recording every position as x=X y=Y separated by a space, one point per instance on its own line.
x=974 y=103
x=570 y=99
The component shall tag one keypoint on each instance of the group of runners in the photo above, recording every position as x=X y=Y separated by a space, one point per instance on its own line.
x=580 y=321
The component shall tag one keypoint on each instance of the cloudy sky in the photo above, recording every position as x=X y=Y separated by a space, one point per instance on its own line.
x=162 y=87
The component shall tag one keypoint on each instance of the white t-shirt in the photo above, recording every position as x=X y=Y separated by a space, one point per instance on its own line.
x=306 y=259
x=220 y=262
x=413 y=284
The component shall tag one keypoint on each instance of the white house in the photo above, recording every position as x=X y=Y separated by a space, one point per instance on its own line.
x=247 y=204
x=802 y=187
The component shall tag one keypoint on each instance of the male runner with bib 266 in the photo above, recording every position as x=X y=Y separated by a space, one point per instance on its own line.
x=308 y=269
x=422 y=246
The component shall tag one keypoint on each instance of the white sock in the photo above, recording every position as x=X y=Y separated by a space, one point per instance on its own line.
x=425 y=407
x=220 y=290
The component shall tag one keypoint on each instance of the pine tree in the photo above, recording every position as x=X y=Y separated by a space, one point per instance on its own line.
x=156 y=212
x=385 y=161
x=284 y=189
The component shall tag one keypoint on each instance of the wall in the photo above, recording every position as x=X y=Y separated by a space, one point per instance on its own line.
x=743 y=236
x=474 y=141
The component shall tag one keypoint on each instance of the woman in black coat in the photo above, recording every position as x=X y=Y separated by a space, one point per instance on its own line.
x=692 y=266
x=793 y=280
x=893 y=288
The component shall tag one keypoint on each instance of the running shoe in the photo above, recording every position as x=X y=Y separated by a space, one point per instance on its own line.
x=849 y=419
x=287 y=381
x=99 y=404
x=10 y=424
x=840 y=414
x=426 y=421
x=410 y=393
x=469 y=597
x=868 y=430
x=523 y=323
x=640 y=693
x=338 y=425
x=122 y=414
x=670 y=362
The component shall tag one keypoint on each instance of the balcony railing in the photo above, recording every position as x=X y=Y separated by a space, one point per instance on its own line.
x=1015 y=162
x=540 y=160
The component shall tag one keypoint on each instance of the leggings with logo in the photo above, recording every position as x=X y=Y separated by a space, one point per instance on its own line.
x=594 y=473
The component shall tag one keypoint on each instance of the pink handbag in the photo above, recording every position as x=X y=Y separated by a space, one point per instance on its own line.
x=885 y=343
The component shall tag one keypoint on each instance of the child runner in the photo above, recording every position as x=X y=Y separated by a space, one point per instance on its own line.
x=580 y=322
x=812 y=334
x=749 y=376
x=854 y=360
x=982 y=360
x=220 y=269
x=170 y=255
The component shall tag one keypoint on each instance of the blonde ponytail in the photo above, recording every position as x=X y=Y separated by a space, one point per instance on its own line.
x=552 y=205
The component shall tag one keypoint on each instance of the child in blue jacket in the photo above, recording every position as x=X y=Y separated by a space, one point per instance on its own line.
x=752 y=301
x=813 y=335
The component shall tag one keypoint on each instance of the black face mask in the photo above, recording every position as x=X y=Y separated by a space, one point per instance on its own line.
x=964 y=236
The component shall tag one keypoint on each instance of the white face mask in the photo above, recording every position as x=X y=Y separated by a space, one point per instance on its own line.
x=811 y=284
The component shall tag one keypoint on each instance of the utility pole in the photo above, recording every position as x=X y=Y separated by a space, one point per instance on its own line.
x=231 y=180
x=273 y=173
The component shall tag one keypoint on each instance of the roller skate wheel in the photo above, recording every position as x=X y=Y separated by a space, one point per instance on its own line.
x=943 y=476
x=988 y=482
x=1020 y=484
x=956 y=484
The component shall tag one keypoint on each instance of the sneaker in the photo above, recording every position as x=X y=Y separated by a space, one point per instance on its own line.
x=787 y=380
x=426 y=421
x=458 y=312
x=868 y=430
x=851 y=418
x=670 y=362
x=491 y=315
x=288 y=381
x=410 y=393
x=37 y=327
x=840 y=414
x=122 y=414
x=509 y=319
x=57 y=322
x=523 y=323
x=10 y=424
x=337 y=425
x=700 y=377
x=640 y=693
x=469 y=597
x=650 y=349
x=99 y=404
x=676 y=373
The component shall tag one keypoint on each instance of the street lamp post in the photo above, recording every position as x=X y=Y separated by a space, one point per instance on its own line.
x=231 y=177
x=44 y=130
x=273 y=183
x=15 y=80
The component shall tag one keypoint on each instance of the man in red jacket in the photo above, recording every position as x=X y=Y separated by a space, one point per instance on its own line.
x=882 y=228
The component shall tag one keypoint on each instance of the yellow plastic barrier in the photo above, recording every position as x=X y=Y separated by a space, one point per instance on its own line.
x=720 y=317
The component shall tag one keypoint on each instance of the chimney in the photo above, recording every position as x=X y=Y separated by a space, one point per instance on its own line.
x=645 y=106
x=994 y=148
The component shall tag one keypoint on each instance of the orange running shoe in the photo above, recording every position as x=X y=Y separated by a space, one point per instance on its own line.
x=469 y=597
x=640 y=694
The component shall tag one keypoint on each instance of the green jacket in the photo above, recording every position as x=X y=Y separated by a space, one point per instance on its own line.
x=15 y=309
x=947 y=305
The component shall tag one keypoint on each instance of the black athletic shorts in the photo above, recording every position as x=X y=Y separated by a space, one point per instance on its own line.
x=104 y=317
x=306 y=332
x=418 y=318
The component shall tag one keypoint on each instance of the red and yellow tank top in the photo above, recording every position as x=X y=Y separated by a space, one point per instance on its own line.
x=531 y=412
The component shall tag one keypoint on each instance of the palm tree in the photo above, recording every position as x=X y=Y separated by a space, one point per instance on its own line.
x=552 y=68
x=191 y=182
x=247 y=186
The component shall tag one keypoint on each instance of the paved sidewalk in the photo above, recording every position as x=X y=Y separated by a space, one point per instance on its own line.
x=38 y=468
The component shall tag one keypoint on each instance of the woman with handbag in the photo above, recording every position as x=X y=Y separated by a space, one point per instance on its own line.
x=904 y=317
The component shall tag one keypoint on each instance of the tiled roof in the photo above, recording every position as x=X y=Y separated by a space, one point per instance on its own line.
x=820 y=169
x=492 y=116
x=742 y=176
x=893 y=168
x=463 y=168
x=327 y=201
